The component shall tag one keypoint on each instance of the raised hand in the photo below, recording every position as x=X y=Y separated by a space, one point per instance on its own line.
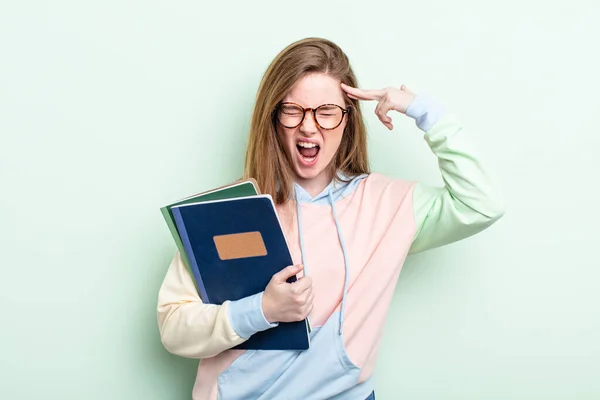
x=387 y=99
x=288 y=302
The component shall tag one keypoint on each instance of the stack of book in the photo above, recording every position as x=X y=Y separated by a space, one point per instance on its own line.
x=231 y=240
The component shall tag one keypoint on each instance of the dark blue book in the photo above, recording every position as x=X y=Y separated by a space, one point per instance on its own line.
x=234 y=247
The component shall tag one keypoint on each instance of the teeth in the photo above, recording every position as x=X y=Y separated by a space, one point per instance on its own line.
x=307 y=145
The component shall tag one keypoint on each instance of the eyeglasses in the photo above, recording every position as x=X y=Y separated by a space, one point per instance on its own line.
x=327 y=116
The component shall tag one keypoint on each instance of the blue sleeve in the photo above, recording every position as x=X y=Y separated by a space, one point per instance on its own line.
x=425 y=111
x=246 y=316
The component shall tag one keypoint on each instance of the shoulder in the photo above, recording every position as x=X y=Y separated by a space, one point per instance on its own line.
x=378 y=184
x=373 y=187
x=381 y=191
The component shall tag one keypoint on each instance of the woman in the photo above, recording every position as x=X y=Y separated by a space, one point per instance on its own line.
x=349 y=230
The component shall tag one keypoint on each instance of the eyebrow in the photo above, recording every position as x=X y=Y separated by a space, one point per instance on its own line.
x=341 y=103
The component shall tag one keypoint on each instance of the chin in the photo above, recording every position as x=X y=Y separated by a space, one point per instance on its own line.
x=305 y=173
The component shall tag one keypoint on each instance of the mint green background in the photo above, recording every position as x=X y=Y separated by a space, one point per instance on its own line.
x=109 y=110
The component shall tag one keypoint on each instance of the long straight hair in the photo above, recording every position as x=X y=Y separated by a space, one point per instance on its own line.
x=265 y=157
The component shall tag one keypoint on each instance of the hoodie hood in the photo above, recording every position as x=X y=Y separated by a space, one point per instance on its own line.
x=339 y=187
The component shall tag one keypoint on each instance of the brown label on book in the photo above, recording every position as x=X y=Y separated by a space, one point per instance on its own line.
x=240 y=245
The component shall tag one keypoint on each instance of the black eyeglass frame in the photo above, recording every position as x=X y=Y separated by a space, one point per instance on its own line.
x=314 y=111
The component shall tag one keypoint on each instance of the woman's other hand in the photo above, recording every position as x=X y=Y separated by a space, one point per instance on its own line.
x=288 y=302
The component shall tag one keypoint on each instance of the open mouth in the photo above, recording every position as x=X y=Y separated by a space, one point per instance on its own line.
x=308 y=152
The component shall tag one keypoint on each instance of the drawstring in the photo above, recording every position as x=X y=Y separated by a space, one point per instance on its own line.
x=342 y=243
x=300 y=231
x=347 y=272
x=303 y=254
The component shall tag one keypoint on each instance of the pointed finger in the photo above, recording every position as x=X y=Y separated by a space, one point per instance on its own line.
x=361 y=94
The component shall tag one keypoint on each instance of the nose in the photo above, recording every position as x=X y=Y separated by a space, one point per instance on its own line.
x=309 y=125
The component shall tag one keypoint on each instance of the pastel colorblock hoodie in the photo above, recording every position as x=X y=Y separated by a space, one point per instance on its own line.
x=353 y=239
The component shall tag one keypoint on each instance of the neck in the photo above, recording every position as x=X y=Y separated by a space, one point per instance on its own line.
x=314 y=186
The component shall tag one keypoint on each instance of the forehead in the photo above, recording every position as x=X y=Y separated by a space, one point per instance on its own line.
x=315 y=89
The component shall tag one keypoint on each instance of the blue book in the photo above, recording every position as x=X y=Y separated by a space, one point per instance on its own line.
x=234 y=247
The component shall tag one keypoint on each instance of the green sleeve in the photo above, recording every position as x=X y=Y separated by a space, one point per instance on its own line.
x=467 y=203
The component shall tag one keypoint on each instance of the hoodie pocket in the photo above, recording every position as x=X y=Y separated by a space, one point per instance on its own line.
x=321 y=372
x=237 y=366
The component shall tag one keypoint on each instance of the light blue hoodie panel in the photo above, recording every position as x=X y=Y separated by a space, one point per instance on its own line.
x=324 y=371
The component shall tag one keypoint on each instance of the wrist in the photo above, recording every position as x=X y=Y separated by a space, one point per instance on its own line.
x=267 y=308
x=426 y=111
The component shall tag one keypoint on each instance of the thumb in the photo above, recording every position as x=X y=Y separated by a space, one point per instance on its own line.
x=287 y=272
x=405 y=89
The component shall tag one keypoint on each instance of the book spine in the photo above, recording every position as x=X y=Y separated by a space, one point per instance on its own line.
x=190 y=254
x=169 y=219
